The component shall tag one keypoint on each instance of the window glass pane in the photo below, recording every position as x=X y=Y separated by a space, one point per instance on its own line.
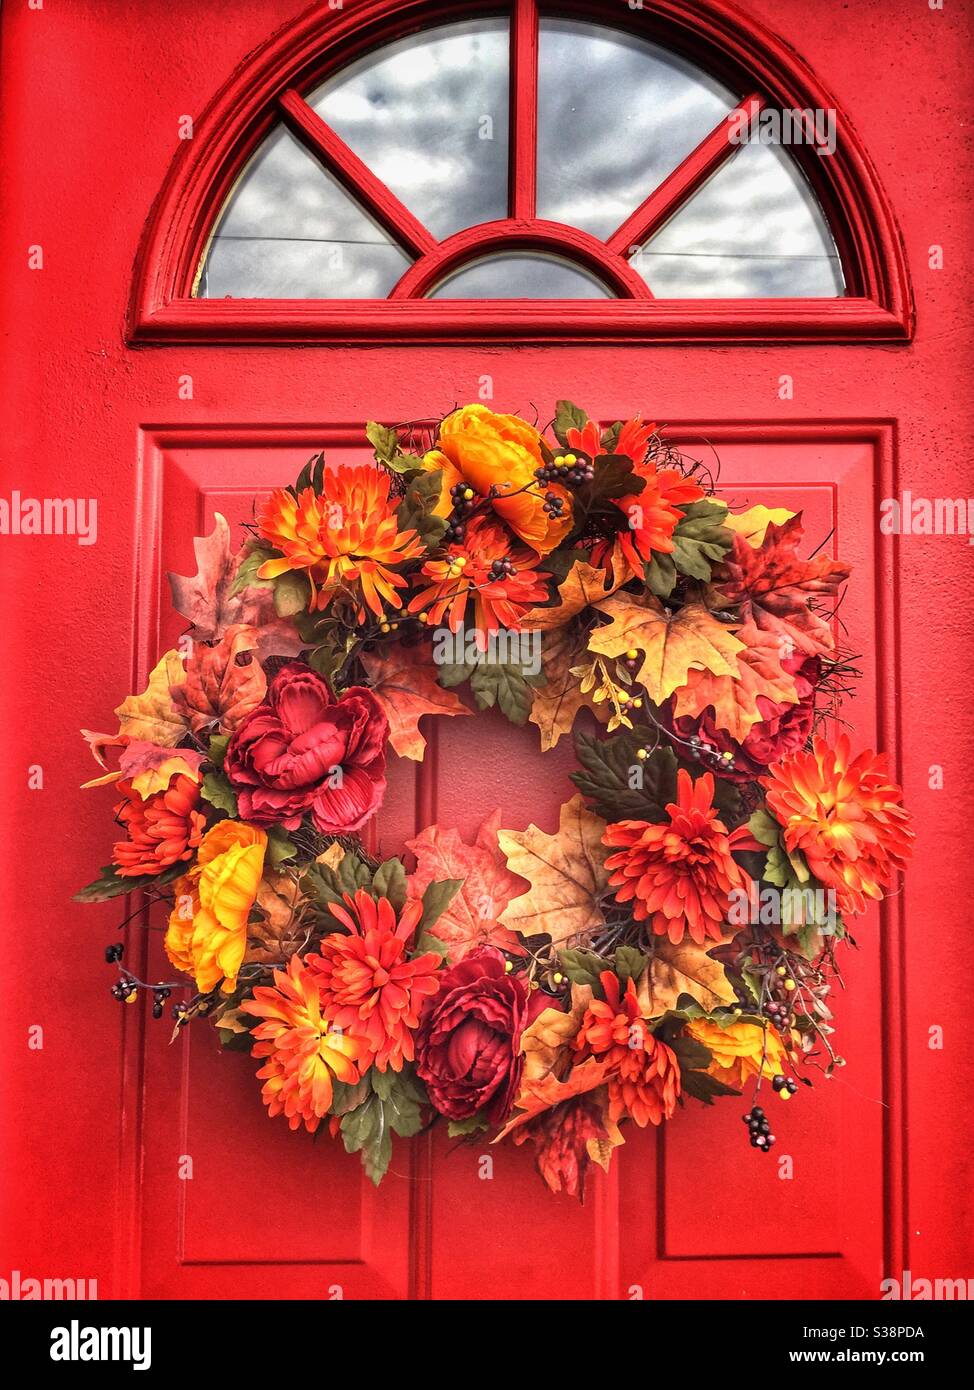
x=290 y=231
x=520 y=275
x=428 y=115
x=616 y=115
x=755 y=230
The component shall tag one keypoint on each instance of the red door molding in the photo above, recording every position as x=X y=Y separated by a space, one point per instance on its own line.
x=267 y=89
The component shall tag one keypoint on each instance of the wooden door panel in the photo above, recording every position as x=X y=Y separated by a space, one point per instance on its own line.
x=690 y=1210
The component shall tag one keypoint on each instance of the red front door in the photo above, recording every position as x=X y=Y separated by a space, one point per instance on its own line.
x=153 y=1169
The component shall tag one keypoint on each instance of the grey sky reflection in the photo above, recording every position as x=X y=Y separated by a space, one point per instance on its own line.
x=616 y=115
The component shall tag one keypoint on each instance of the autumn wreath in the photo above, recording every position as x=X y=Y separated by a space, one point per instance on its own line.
x=675 y=936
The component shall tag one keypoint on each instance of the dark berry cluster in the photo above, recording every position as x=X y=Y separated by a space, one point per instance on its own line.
x=159 y=997
x=464 y=500
x=568 y=469
x=785 y=1086
x=114 y=952
x=779 y=1007
x=502 y=568
x=553 y=504
x=125 y=991
x=705 y=752
x=757 y=1123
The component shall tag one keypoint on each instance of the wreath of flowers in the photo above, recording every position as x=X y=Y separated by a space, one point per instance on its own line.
x=675 y=936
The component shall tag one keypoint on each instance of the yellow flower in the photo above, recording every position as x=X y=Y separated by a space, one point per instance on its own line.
x=207 y=932
x=736 y=1051
x=501 y=451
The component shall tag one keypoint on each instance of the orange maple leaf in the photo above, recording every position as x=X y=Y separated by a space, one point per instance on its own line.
x=223 y=683
x=774 y=587
x=404 y=682
x=672 y=644
x=472 y=918
x=583 y=586
x=734 y=699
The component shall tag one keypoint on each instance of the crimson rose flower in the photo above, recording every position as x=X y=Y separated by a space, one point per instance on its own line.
x=302 y=750
x=468 y=1051
x=783 y=730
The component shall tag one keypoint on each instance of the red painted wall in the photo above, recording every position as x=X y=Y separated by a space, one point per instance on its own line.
x=91 y=98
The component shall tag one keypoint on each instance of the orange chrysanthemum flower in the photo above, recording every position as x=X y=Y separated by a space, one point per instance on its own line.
x=162 y=829
x=499 y=578
x=305 y=1053
x=741 y=1051
x=679 y=874
x=643 y=1074
x=369 y=988
x=346 y=535
x=845 y=816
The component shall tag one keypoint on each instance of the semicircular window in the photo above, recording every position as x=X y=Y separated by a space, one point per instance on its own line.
x=615 y=168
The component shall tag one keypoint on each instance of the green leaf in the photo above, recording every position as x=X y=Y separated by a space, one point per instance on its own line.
x=583 y=968
x=415 y=511
x=327 y=885
x=346 y=1098
x=764 y=828
x=568 y=417
x=291 y=594
x=693 y=1059
x=219 y=793
x=661 y=575
x=507 y=686
x=460 y=1129
x=327 y=660
x=437 y=897
x=109 y=884
x=389 y=881
x=629 y=964
x=217 y=750
x=247 y=572
x=279 y=847
x=701 y=539
x=366 y=1130
x=311 y=475
x=621 y=786
x=427 y=942
x=384 y=441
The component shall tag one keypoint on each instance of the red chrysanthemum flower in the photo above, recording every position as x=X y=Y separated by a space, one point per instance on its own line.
x=643 y=1074
x=369 y=987
x=490 y=572
x=845 y=816
x=633 y=440
x=653 y=516
x=305 y=1053
x=162 y=829
x=679 y=874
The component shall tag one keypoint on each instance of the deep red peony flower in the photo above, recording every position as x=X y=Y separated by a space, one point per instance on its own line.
x=468 y=1050
x=783 y=730
x=303 y=750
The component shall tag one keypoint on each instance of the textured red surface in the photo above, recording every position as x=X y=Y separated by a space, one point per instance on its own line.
x=93 y=1133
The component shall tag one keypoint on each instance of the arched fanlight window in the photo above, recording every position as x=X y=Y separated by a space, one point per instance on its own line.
x=383 y=163
x=536 y=169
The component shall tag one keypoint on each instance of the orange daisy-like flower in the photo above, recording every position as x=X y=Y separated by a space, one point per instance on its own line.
x=633 y=440
x=679 y=874
x=846 y=817
x=653 y=516
x=369 y=988
x=346 y=535
x=643 y=1074
x=162 y=829
x=500 y=579
x=305 y=1053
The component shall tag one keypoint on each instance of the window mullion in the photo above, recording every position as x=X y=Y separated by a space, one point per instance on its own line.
x=524 y=109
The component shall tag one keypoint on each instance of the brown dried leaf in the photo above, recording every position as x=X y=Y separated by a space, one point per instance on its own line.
x=566 y=872
x=682 y=969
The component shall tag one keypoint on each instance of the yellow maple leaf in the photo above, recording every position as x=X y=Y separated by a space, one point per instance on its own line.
x=684 y=968
x=734 y=698
x=753 y=523
x=555 y=704
x=545 y=1042
x=672 y=644
x=566 y=872
x=153 y=716
x=583 y=586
